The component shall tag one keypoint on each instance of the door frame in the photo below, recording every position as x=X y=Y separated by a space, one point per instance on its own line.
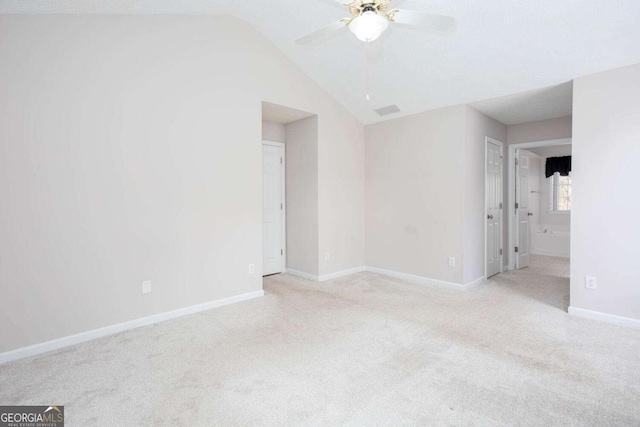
x=283 y=226
x=511 y=176
x=500 y=144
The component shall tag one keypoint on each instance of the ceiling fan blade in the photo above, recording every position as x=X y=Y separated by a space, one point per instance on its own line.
x=423 y=20
x=323 y=33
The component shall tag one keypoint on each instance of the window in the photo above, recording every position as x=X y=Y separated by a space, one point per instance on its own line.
x=560 y=193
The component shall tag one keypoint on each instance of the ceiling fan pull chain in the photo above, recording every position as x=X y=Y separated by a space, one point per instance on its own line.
x=366 y=71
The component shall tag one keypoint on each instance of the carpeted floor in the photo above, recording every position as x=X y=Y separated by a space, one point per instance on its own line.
x=361 y=350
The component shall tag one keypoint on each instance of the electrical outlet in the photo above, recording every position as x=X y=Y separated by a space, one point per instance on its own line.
x=452 y=261
x=327 y=256
x=252 y=268
x=590 y=282
x=146 y=287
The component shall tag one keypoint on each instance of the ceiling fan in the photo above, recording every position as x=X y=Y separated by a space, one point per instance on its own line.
x=370 y=18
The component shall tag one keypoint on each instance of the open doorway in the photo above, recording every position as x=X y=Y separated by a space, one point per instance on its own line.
x=540 y=206
x=289 y=191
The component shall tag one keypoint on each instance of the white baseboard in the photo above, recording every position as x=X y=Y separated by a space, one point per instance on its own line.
x=420 y=280
x=342 y=273
x=326 y=277
x=478 y=281
x=302 y=274
x=558 y=254
x=604 y=317
x=120 y=327
x=408 y=277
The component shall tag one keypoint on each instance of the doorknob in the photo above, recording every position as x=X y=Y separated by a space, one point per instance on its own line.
x=529 y=214
x=489 y=216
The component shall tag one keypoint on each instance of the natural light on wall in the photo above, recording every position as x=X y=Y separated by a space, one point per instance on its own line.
x=560 y=193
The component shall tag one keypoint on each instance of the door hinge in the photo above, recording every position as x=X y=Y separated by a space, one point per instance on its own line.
x=500 y=251
x=280 y=160
x=280 y=206
x=281 y=251
x=500 y=205
x=516 y=161
x=517 y=205
x=516 y=249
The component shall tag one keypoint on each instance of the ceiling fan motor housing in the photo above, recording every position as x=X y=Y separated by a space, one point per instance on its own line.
x=369 y=7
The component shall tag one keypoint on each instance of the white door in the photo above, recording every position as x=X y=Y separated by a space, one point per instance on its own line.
x=493 y=191
x=522 y=210
x=272 y=208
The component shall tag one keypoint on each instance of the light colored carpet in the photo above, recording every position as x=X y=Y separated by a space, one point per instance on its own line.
x=361 y=350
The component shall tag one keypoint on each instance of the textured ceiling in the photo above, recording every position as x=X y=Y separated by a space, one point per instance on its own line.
x=500 y=47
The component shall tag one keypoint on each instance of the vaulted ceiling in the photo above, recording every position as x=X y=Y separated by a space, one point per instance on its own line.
x=499 y=48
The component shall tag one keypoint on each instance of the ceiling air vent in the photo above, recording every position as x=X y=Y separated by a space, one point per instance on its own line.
x=390 y=109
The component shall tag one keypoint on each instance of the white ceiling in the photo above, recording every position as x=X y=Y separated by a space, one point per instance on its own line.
x=278 y=114
x=500 y=47
x=540 y=104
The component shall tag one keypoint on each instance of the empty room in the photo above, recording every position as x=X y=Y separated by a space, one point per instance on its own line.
x=319 y=213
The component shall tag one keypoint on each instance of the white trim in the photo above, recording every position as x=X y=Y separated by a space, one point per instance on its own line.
x=302 y=274
x=273 y=143
x=283 y=217
x=326 y=277
x=544 y=143
x=558 y=254
x=342 y=273
x=604 y=317
x=420 y=280
x=404 y=276
x=478 y=281
x=511 y=203
x=121 y=327
x=505 y=267
x=487 y=141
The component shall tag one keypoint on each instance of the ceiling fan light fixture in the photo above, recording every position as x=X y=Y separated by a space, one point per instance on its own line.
x=368 y=26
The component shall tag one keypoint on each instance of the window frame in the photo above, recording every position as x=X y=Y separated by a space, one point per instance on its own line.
x=553 y=202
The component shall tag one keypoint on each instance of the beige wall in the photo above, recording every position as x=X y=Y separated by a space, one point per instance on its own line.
x=133 y=152
x=413 y=170
x=604 y=228
x=342 y=195
x=552 y=151
x=477 y=127
x=302 y=195
x=540 y=131
x=414 y=194
x=272 y=131
x=425 y=193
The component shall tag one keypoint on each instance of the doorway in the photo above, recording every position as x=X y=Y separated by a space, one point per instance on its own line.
x=290 y=191
x=539 y=206
x=273 y=208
